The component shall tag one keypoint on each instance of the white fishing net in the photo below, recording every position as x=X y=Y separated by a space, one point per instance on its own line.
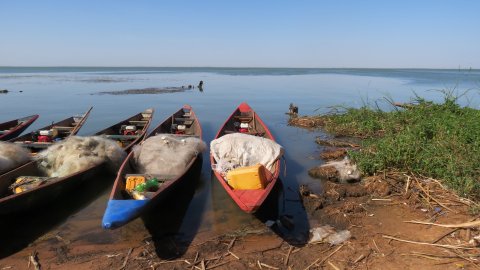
x=167 y=154
x=240 y=150
x=78 y=153
x=11 y=156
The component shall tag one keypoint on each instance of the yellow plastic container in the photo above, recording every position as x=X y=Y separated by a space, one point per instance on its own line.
x=251 y=177
x=133 y=181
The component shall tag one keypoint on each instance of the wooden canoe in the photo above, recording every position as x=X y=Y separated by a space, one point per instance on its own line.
x=129 y=138
x=248 y=200
x=65 y=128
x=121 y=208
x=13 y=128
x=10 y=203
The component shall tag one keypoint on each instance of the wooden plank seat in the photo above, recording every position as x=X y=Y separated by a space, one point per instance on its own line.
x=121 y=137
x=243 y=118
x=180 y=135
x=140 y=123
x=63 y=128
x=255 y=133
x=185 y=121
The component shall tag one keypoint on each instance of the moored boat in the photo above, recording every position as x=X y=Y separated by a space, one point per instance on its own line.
x=51 y=187
x=247 y=184
x=125 y=202
x=130 y=131
x=13 y=128
x=48 y=135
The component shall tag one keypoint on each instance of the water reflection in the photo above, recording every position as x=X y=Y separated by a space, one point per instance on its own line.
x=165 y=222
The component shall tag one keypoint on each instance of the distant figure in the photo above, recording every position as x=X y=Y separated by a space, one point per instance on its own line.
x=293 y=110
x=200 y=86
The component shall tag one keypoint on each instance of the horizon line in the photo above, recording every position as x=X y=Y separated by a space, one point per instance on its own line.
x=239 y=67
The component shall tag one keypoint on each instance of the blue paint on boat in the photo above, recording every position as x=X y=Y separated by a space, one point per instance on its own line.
x=120 y=212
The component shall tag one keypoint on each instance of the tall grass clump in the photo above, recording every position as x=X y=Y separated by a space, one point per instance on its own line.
x=441 y=141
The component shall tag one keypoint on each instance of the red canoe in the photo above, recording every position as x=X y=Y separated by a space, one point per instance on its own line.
x=13 y=128
x=248 y=200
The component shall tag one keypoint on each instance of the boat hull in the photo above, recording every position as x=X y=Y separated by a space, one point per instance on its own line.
x=121 y=210
x=248 y=200
x=45 y=194
x=16 y=130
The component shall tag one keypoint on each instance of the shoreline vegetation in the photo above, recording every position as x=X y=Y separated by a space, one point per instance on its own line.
x=439 y=141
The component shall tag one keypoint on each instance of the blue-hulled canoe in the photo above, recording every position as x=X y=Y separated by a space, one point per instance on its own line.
x=121 y=208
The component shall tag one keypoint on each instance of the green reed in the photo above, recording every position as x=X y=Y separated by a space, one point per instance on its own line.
x=441 y=141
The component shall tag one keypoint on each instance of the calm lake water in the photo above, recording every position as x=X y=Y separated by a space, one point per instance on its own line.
x=205 y=210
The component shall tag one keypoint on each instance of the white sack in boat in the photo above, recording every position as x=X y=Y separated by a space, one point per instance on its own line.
x=11 y=156
x=167 y=154
x=78 y=153
x=240 y=150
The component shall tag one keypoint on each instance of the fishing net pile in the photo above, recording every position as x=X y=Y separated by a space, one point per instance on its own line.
x=11 y=156
x=240 y=150
x=78 y=153
x=167 y=154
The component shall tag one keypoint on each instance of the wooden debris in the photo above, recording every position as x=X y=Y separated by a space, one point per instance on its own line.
x=445 y=235
x=375 y=244
x=425 y=243
x=324 y=259
x=217 y=265
x=33 y=259
x=268 y=266
x=231 y=243
x=231 y=253
x=333 y=265
x=472 y=224
x=432 y=198
x=126 y=259
x=360 y=258
x=288 y=255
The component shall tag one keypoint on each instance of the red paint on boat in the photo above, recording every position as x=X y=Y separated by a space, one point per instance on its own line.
x=248 y=200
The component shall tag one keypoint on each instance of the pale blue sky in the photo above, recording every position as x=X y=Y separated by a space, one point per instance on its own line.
x=260 y=33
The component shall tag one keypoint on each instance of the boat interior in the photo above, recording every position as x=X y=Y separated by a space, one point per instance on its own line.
x=243 y=122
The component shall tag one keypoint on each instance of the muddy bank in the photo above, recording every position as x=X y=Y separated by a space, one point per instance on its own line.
x=150 y=90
